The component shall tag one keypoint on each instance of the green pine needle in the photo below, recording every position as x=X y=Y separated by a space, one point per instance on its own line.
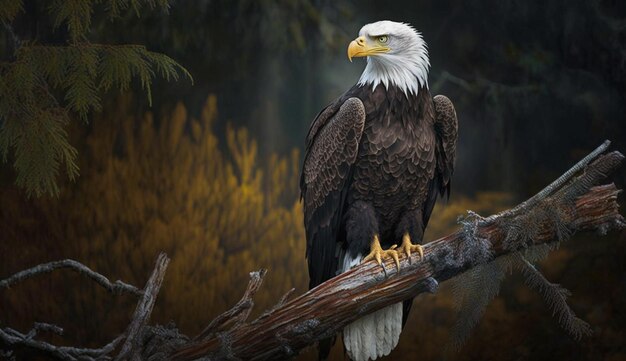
x=41 y=146
x=32 y=121
x=82 y=94
x=75 y=13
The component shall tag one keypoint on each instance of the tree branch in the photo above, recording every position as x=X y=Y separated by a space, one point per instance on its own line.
x=131 y=350
x=239 y=313
x=568 y=206
x=554 y=186
x=117 y=287
x=131 y=347
x=15 y=338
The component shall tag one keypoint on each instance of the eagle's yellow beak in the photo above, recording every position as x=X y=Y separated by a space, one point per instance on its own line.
x=360 y=47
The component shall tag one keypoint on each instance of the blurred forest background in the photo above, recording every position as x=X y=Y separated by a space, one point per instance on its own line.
x=209 y=172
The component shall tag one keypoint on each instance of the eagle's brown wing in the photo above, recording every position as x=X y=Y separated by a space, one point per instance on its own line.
x=446 y=127
x=332 y=148
x=446 y=132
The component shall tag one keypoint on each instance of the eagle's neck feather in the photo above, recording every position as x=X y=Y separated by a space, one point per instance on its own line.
x=408 y=71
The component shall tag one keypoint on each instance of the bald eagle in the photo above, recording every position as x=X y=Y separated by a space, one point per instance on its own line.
x=376 y=159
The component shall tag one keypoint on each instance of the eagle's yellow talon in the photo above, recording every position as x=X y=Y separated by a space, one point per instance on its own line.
x=377 y=253
x=408 y=247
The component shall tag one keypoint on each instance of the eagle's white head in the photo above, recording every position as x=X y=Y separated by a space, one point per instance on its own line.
x=396 y=55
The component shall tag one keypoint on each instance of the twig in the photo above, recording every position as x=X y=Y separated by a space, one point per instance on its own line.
x=132 y=348
x=552 y=187
x=280 y=303
x=44 y=327
x=239 y=313
x=285 y=297
x=16 y=338
x=117 y=287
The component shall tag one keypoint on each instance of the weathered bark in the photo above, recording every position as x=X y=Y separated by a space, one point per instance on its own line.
x=237 y=315
x=565 y=207
x=132 y=347
x=116 y=287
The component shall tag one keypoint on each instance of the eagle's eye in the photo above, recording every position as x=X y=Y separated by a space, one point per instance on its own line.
x=383 y=39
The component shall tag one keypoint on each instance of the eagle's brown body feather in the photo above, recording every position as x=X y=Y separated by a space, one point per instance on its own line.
x=396 y=159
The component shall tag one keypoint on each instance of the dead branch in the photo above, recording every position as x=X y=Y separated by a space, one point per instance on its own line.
x=237 y=315
x=554 y=186
x=573 y=203
x=131 y=350
x=14 y=339
x=117 y=287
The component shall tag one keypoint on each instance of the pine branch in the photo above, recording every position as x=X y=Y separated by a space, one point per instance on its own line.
x=477 y=287
x=555 y=296
x=32 y=122
x=84 y=69
x=41 y=146
x=75 y=13
x=472 y=292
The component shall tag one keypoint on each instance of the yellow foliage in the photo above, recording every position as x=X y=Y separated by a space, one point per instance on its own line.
x=170 y=187
x=179 y=193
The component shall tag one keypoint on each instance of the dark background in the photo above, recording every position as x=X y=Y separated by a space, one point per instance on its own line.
x=536 y=85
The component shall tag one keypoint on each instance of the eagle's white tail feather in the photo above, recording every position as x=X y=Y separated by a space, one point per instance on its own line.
x=382 y=329
x=374 y=335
